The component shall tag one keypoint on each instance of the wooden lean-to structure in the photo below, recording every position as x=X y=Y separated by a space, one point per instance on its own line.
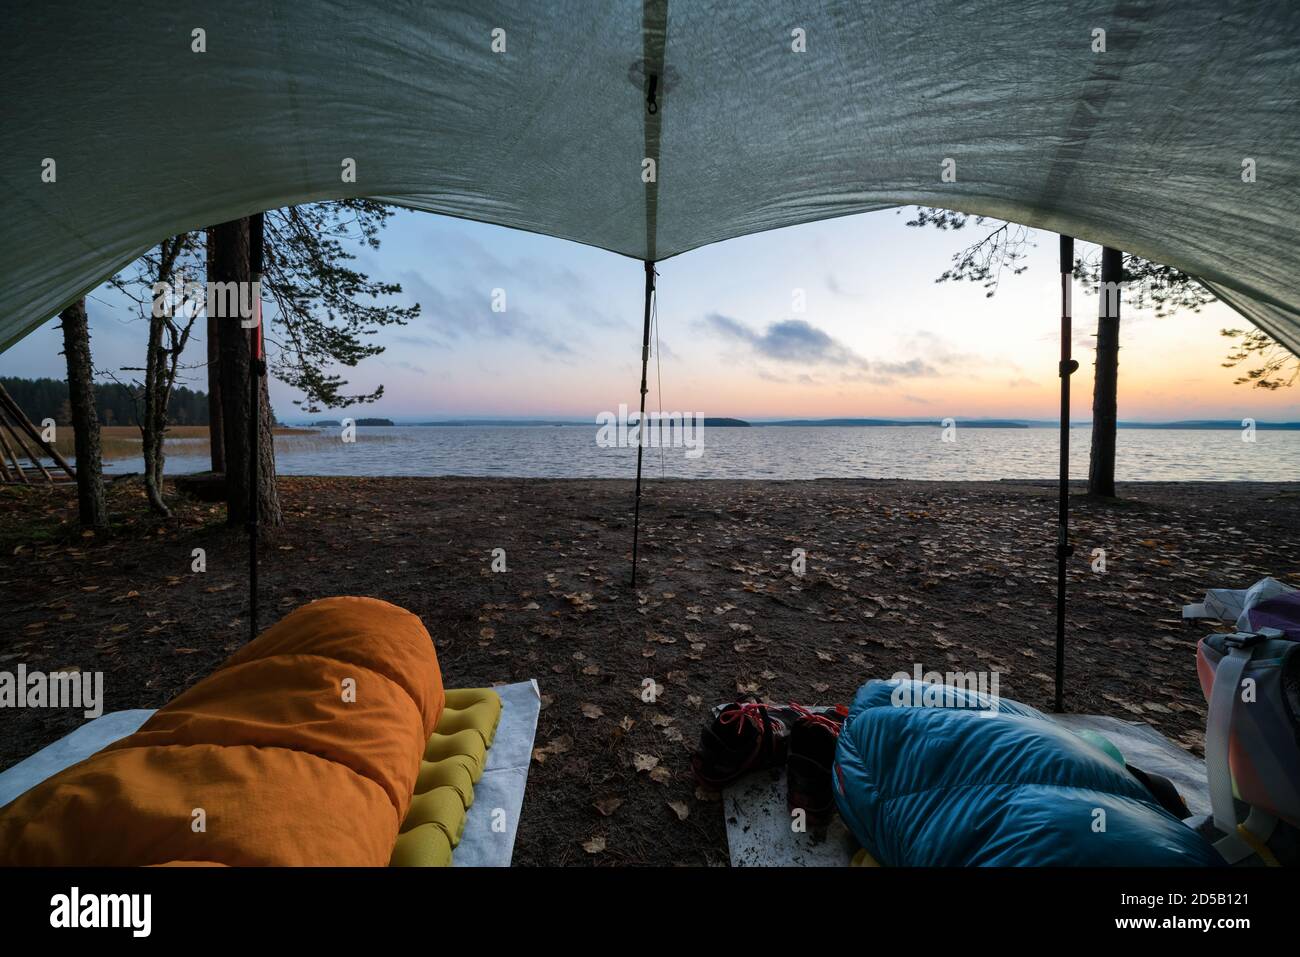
x=21 y=442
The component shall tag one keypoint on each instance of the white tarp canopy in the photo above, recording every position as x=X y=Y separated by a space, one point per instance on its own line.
x=1140 y=147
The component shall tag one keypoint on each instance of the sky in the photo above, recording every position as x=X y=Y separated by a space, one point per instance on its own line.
x=841 y=318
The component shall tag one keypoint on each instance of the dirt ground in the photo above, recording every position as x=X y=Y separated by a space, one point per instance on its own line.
x=954 y=576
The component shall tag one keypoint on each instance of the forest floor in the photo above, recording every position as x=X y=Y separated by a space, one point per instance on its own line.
x=953 y=576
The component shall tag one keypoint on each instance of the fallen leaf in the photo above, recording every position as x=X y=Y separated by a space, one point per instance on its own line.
x=645 y=762
x=557 y=746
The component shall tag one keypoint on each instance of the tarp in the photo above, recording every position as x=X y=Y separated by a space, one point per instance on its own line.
x=1140 y=146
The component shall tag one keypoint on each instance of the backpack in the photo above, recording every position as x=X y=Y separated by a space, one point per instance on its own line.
x=1251 y=681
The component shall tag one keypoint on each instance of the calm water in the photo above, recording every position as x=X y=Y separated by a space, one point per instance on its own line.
x=773 y=453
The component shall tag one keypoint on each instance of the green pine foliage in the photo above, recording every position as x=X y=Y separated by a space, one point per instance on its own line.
x=115 y=402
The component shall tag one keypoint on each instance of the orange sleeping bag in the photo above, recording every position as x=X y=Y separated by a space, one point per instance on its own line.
x=302 y=749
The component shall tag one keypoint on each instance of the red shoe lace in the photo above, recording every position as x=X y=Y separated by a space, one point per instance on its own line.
x=818 y=718
x=748 y=711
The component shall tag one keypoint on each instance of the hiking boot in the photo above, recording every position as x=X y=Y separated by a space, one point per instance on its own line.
x=813 y=737
x=836 y=713
x=743 y=736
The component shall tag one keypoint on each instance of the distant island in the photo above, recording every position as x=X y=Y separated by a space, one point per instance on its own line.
x=329 y=424
x=496 y=423
x=1234 y=424
x=1229 y=424
x=968 y=423
x=724 y=422
x=709 y=422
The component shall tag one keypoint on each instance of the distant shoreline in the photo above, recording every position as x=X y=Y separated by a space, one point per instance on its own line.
x=722 y=423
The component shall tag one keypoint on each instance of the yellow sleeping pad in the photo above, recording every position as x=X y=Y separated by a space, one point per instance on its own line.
x=449 y=774
x=478 y=709
x=453 y=762
x=465 y=747
x=441 y=807
x=423 y=846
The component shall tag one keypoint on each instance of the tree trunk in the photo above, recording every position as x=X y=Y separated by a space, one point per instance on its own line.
x=229 y=263
x=269 y=510
x=216 y=438
x=1105 y=392
x=81 y=397
x=155 y=416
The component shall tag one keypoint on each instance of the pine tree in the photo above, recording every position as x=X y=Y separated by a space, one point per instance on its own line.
x=92 y=511
x=1002 y=250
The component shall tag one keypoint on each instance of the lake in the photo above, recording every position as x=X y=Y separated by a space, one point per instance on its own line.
x=771 y=452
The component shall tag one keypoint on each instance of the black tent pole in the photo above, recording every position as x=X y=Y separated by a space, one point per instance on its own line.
x=256 y=369
x=640 y=423
x=1063 y=547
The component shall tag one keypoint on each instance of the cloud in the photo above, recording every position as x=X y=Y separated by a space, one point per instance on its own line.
x=791 y=340
x=798 y=342
x=836 y=289
x=531 y=279
x=468 y=312
x=664 y=350
x=420 y=341
x=407 y=366
x=911 y=369
x=938 y=351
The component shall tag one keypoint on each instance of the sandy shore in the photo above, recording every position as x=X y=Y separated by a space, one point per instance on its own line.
x=950 y=575
x=124 y=442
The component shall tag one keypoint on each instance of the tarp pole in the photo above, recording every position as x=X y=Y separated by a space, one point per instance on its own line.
x=640 y=422
x=1063 y=547
x=256 y=370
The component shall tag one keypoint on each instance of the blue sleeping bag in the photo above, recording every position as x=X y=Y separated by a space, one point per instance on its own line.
x=955 y=786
